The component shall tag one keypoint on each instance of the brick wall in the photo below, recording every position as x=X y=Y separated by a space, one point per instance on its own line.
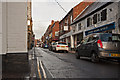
x=79 y=8
x=55 y=29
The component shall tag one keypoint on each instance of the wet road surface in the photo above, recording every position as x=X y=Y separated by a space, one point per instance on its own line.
x=65 y=65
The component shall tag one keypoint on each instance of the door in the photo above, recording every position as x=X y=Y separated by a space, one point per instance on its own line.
x=82 y=50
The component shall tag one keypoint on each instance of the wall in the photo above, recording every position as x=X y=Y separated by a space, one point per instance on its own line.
x=111 y=17
x=0 y=27
x=55 y=29
x=17 y=27
x=4 y=28
x=80 y=7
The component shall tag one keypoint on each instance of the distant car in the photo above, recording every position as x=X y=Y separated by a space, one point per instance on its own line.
x=99 y=45
x=37 y=45
x=51 y=46
x=60 y=46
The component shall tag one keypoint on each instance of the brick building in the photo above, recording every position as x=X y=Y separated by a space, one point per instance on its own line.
x=64 y=26
x=48 y=34
x=55 y=31
x=52 y=33
x=30 y=42
x=65 y=33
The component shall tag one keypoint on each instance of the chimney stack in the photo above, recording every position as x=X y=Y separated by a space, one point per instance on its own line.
x=52 y=22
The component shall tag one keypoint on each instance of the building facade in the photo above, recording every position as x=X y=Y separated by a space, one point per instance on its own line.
x=30 y=42
x=99 y=17
x=55 y=31
x=65 y=28
x=13 y=29
x=65 y=24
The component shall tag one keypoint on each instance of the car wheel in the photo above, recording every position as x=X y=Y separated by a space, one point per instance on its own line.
x=94 y=57
x=77 y=55
x=55 y=50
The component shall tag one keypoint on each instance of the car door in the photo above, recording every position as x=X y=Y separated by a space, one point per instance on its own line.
x=82 y=50
x=87 y=47
x=90 y=45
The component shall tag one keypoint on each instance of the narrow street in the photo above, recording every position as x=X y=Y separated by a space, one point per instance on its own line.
x=65 y=65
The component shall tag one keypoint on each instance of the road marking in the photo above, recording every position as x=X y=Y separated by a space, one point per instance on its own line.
x=46 y=68
x=39 y=70
x=50 y=73
x=43 y=70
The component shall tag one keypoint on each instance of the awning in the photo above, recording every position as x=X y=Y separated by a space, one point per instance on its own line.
x=78 y=32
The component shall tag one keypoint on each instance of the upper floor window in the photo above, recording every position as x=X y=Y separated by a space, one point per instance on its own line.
x=71 y=19
x=95 y=19
x=89 y=22
x=79 y=26
x=66 y=22
x=104 y=15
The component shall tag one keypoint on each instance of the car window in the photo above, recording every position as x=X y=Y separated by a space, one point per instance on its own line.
x=110 y=37
x=62 y=44
x=84 y=41
x=90 y=39
x=54 y=43
x=115 y=37
x=105 y=37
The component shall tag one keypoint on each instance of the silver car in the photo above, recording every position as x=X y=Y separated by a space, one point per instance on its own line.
x=100 y=45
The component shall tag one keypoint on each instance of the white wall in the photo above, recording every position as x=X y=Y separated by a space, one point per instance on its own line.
x=13 y=27
x=0 y=27
x=111 y=16
x=4 y=26
x=17 y=27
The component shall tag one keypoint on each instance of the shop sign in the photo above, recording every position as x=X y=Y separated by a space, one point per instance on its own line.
x=101 y=29
x=65 y=28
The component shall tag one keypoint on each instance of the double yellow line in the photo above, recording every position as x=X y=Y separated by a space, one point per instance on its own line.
x=43 y=70
x=39 y=71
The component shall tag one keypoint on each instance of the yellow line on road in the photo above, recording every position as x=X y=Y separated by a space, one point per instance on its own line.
x=43 y=69
x=39 y=71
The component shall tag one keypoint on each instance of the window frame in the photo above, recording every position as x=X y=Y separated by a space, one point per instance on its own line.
x=95 y=18
x=104 y=15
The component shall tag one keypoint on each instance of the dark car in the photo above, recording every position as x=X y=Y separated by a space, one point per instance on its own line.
x=51 y=46
x=99 y=45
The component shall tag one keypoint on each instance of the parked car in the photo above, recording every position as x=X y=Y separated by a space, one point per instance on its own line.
x=60 y=46
x=99 y=45
x=37 y=45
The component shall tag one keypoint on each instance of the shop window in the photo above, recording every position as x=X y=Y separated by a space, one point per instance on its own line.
x=89 y=22
x=95 y=19
x=104 y=15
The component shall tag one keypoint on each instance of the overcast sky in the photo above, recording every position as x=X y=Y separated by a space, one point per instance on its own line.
x=43 y=11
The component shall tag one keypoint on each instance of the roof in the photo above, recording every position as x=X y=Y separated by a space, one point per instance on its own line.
x=94 y=7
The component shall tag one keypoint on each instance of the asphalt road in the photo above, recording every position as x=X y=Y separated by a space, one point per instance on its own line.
x=65 y=65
